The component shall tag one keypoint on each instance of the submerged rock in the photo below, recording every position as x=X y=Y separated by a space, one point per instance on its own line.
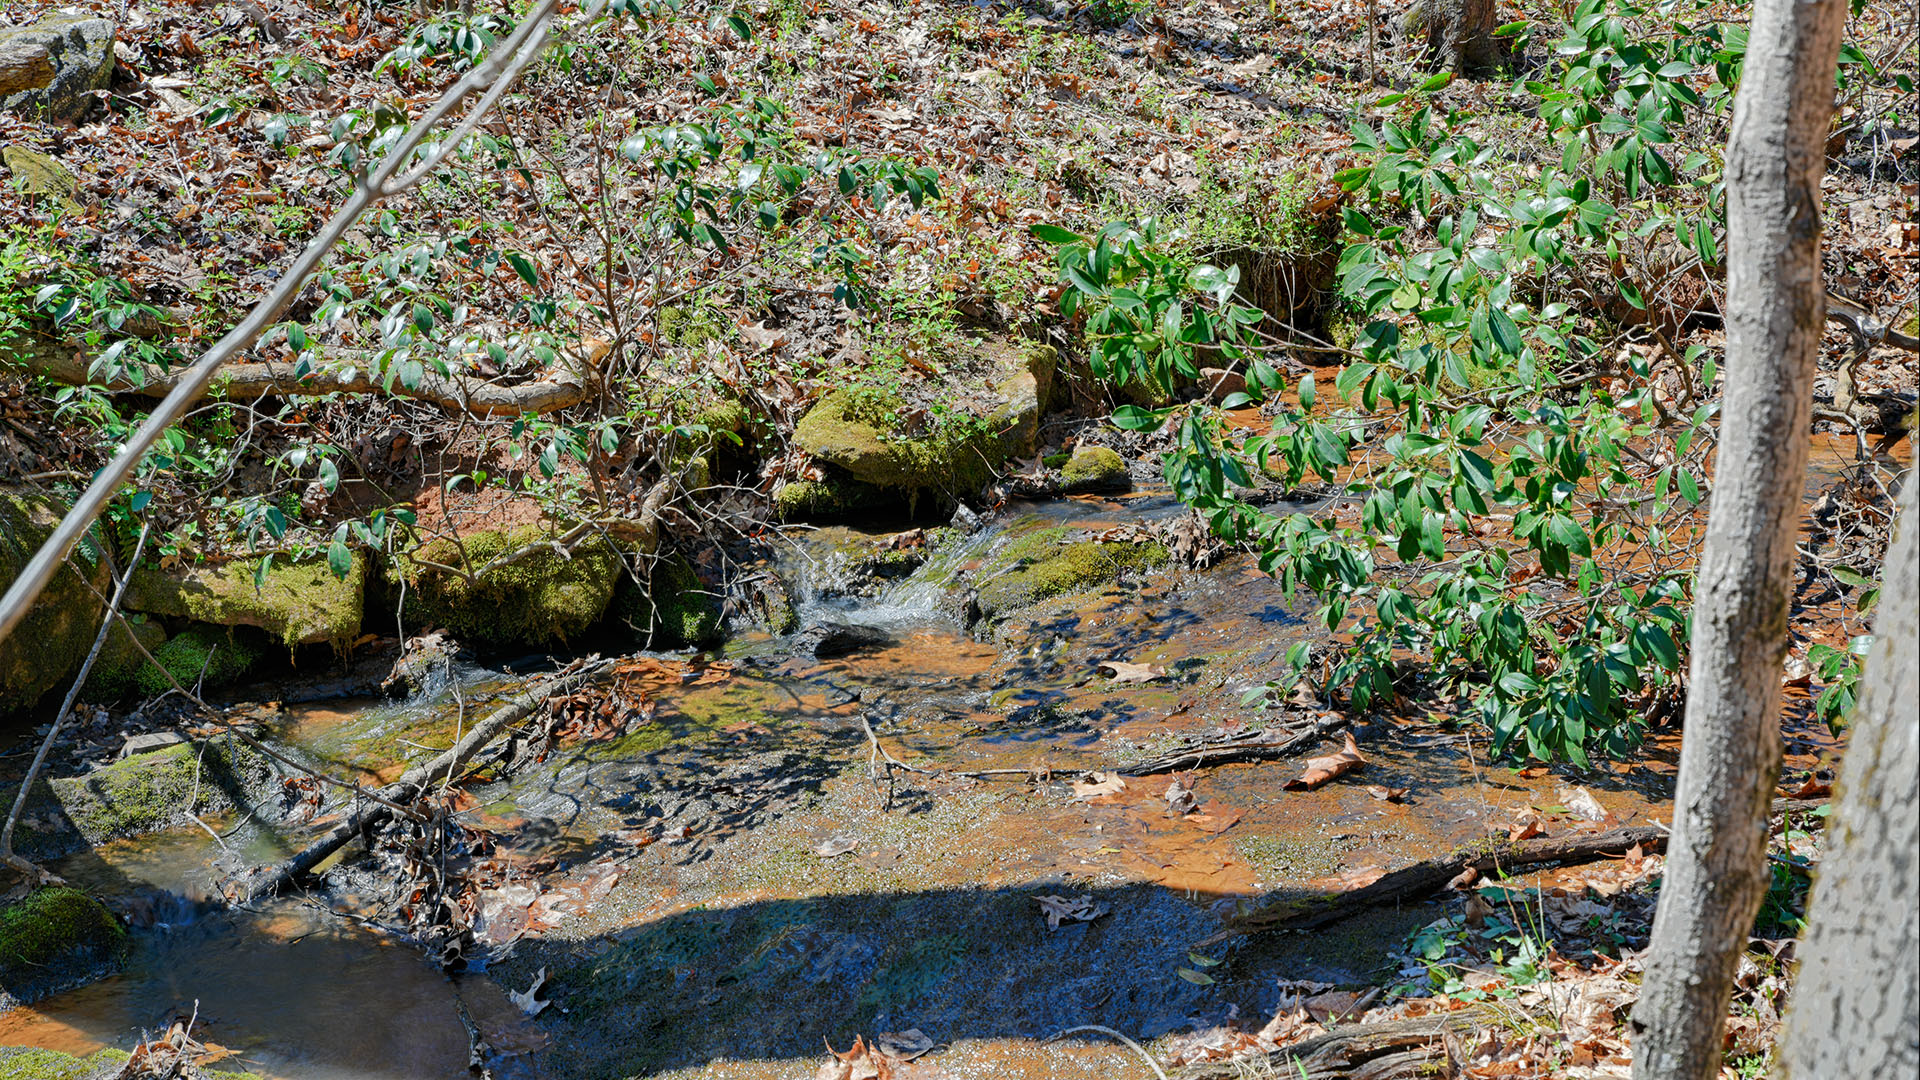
x=50 y=940
x=51 y=68
x=542 y=599
x=826 y=641
x=1044 y=564
x=59 y=629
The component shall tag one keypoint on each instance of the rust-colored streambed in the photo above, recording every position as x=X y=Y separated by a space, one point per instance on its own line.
x=728 y=887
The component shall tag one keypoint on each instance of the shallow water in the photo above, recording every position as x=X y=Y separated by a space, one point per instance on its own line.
x=715 y=940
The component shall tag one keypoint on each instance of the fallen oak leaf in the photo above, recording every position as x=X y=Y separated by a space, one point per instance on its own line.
x=1527 y=825
x=1125 y=671
x=525 y=999
x=1059 y=909
x=1811 y=788
x=1322 y=769
x=1388 y=794
x=1095 y=784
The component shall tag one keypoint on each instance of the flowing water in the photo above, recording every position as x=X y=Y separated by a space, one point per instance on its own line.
x=713 y=891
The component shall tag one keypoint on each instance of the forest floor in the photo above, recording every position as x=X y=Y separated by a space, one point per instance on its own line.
x=213 y=155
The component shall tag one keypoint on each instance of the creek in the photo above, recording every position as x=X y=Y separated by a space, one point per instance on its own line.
x=713 y=890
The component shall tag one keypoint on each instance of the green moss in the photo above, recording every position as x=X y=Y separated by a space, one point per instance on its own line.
x=673 y=608
x=58 y=631
x=116 y=672
x=53 y=925
x=30 y=1063
x=300 y=603
x=152 y=791
x=690 y=326
x=207 y=657
x=1041 y=565
x=1095 y=468
x=853 y=430
x=541 y=599
x=828 y=499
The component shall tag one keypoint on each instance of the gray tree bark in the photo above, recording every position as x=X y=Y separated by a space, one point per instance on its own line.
x=1856 y=1005
x=1730 y=755
x=1459 y=35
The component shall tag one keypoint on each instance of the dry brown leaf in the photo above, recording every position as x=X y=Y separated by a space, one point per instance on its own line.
x=1322 y=769
x=1125 y=671
x=1811 y=788
x=1526 y=825
x=1095 y=784
x=860 y=1062
x=1581 y=804
x=1215 y=817
x=1059 y=909
x=1388 y=794
x=835 y=846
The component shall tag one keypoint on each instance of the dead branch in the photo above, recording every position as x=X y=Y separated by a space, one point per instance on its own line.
x=1384 y=1050
x=266 y=882
x=562 y=389
x=1494 y=854
x=1264 y=745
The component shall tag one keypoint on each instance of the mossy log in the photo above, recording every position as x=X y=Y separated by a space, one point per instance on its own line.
x=563 y=388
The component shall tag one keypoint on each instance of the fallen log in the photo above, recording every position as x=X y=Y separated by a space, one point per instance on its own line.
x=1385 y=1050
x=265 y=882
x=68 y=364
x=1308 y=911
x=1257 y=746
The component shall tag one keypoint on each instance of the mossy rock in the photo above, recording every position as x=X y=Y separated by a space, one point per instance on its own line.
x=1042 y=565
x=852 y=430
x=51 y=937
x=33 y=1063
x=857 y=431
x=121 y=662
x=207 y=656
x=41 y=174
x=834 y=497
x=674 y=607
x=58 y=631
x=543 y=599
x=154 y=790
x=301 y=603
x=1094 y=469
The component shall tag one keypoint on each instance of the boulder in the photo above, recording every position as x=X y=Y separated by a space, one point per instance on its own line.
x=826 y=641
x=542 y=599
x=50 y=68
x=857 y=432
x=1094 y=469
x=52 y=938
x=300 y=603
x=673 y=608
x=1047 y=563
x=58 y=631
x=122 y=659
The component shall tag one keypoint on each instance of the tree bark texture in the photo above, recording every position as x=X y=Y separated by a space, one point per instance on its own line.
x=1458 y=35
x=1856 y=1005
x=1730 y=755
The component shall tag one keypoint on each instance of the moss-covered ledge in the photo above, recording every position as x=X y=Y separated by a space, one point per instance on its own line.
x=139 y=794
x=543 y=599
x=59 y=628
x=300 y=603
x=54 y=938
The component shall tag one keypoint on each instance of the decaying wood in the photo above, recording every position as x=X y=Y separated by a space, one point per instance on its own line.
x=1387 y=1050
x=1431 y=875
x=246 y=382
x=1254 y=746
x=418 y=779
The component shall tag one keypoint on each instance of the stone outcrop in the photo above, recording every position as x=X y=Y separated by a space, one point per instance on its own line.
x=50 y=69
x=301 y=603
x=58 y=631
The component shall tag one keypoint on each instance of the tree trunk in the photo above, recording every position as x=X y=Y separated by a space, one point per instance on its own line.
x=1730 y=755
x=1856 y=1005
x=1459 y=35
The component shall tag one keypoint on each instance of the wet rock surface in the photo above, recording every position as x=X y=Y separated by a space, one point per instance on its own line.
x=729 y=871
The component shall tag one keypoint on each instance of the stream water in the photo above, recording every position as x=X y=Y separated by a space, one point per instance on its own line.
x=714 y=891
